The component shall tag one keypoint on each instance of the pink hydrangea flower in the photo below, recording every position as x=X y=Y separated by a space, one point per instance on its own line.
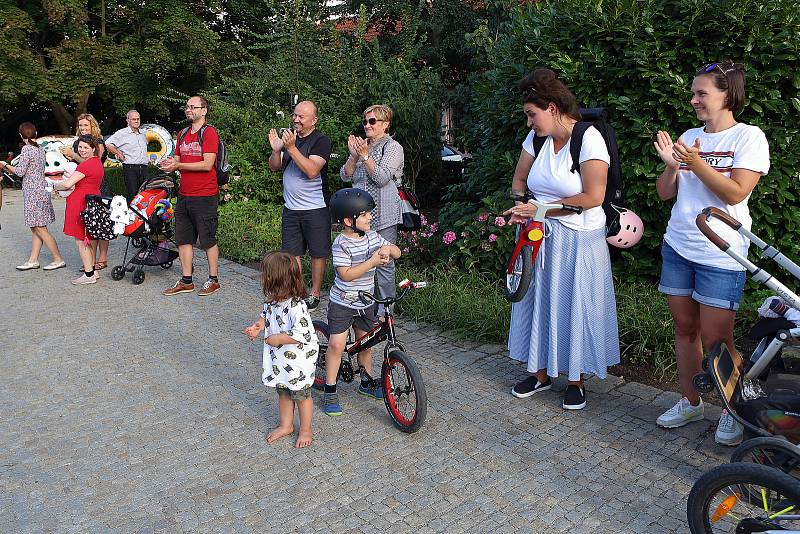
x=449 y=237
x=492 y=238
x=434 y=227
x=499 y=221
x=483 y=216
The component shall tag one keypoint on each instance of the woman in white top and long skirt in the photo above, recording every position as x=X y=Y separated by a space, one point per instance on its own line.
x=567 y=321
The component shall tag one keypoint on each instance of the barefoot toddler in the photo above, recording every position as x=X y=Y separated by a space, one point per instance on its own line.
x=290 y=344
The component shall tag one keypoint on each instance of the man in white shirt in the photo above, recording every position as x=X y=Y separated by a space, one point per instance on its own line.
x=129 y=145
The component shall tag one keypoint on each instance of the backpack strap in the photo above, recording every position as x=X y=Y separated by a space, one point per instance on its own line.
x=576 y=142
x=538 y=143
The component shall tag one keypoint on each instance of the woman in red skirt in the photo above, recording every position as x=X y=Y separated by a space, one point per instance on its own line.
x=86 y=179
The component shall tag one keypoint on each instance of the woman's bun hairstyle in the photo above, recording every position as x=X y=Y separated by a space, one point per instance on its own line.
x=541 y=87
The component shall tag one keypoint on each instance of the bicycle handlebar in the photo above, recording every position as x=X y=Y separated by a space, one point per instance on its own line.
x=406 y=286
x=543 y=207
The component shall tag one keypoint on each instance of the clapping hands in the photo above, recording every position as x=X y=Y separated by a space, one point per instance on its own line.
x=357 y=146
x=677 y=153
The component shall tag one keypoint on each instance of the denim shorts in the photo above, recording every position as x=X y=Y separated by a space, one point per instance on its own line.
x=712 y=286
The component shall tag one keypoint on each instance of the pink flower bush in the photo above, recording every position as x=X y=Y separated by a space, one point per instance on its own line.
x=492 y=238
x=449 y=237
x=499 y=221
x=482 y=217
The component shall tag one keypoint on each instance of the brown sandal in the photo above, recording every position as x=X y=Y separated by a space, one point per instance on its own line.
x=100 y=265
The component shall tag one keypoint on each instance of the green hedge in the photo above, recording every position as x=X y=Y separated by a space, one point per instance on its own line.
x=249 y=229
x=113 y=176
x=637 y=59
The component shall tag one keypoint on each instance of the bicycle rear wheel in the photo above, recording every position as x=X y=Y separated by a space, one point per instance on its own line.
x=518 y=280
x=323 y=333
x=744 y=496
x=404 y=391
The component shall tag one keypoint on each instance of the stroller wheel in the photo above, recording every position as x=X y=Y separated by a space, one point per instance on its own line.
x=118 y=272
x=138 y=277
x=166 y=265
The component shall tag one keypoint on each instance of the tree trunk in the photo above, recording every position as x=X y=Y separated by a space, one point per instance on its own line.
x=63 y=117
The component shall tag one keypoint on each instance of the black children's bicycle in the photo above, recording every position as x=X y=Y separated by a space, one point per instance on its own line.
x=404 y=390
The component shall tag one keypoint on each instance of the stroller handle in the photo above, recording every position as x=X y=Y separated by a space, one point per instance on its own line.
x=702 y=224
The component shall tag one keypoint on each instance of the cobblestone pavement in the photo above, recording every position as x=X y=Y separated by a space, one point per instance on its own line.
x=126 y=411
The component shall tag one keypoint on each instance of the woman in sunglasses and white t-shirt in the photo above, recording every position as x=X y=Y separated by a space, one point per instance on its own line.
x=376 y=166
x=718 y=165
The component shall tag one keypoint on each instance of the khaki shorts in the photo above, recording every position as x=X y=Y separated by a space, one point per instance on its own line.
x=295 y=395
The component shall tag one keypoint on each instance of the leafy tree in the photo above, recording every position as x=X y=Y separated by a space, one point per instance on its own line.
x=121 y=53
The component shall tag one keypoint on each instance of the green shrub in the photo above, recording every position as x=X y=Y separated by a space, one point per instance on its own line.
x=249 y=229
x=637 y=59
x=113 y=175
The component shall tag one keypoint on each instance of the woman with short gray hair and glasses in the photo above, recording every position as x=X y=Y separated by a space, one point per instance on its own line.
x=376 y=166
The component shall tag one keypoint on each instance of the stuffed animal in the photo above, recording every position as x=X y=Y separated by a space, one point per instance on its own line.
x=120 y=214
x=165 y=210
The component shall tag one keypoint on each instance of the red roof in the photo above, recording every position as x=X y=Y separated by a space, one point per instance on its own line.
x=374 y=29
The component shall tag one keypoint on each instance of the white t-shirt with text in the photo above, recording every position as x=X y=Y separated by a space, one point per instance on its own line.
x=739 y=147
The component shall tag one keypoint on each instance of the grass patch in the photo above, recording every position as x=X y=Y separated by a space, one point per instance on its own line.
x=247 y=230
x=472 y=306
x=467 y=305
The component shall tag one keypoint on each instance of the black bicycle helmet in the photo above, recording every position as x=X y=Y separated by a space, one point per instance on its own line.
x=350 y=202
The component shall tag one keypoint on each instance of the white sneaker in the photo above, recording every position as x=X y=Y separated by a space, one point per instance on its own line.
x=729 y=431
x=680 y=414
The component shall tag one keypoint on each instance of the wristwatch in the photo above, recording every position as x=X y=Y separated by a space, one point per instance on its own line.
x=365 y=158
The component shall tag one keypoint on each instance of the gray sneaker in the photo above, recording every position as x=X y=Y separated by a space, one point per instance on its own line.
x=729 y=431
x=680 y=414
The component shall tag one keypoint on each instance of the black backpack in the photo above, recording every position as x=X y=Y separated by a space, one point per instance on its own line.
x=221 y=165
x=598 y=118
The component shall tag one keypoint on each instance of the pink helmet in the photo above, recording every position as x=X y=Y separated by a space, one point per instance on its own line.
x=626 y=230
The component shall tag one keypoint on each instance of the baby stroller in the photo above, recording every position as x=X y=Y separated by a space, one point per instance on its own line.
x=759 y=491
x=150 y=233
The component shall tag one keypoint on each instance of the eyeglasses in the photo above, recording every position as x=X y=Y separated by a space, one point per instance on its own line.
x=371 y=121
x=730 y=67
x=193 y=107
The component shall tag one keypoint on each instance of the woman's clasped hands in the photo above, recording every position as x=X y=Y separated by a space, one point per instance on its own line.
x=357 y=146
x=677 y=153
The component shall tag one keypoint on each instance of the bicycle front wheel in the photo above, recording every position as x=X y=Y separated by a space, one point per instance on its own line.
x=404 y=391
x=738 y=495
x=518 y=280
x=770 y=451
x=323 y=333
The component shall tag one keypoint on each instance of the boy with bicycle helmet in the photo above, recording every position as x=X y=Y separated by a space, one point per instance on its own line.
x=357 y=251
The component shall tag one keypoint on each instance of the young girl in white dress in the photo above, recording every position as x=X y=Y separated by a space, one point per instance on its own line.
x=291 y=346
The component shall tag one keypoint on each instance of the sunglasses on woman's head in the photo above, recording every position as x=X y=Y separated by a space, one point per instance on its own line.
x=711 y=66
x=371 y=121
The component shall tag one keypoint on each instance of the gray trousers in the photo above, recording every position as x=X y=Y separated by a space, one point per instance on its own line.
x=384 y=276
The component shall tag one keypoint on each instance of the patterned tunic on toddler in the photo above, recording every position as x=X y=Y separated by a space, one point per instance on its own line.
x=291 y=365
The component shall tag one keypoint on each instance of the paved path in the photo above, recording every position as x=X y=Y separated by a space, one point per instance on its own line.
x=125 y=411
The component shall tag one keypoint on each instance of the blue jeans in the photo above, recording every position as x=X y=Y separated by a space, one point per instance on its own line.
x=712 y=286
